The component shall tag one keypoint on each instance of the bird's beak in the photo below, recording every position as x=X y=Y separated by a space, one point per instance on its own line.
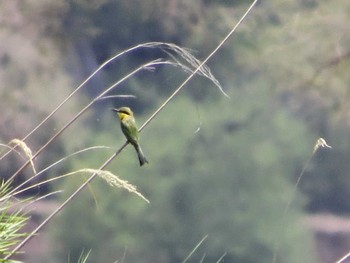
x=116 y=110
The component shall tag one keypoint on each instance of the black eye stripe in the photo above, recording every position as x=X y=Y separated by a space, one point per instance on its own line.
x=125 y=112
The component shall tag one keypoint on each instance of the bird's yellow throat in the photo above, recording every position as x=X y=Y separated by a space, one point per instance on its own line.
x=122 y=115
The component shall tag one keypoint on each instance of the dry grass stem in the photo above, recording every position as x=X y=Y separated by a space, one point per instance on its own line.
x=342 y=260
x=27 y=151
x=192 y=64
x=117 y=96
x=319 y=143
x=112 y=180
x=10 y=148
x=195 y=248
x=15 y=191
x=221 y=258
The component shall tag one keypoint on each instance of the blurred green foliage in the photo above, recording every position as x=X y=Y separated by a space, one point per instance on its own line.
x=230 y=180
x=223 y=167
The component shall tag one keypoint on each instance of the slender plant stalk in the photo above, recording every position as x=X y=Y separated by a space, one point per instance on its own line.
x=195 y=248
x=319 y=143
x=15 y=191
x=347 y=256
x=221 y=258
x=71 y=197
x=84 y=256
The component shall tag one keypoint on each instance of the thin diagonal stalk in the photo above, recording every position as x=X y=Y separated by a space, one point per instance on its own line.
x=347 y=256
x=39 y=184
x=10 y=149
x=194 y=249
x=106 y=163
x=13 y=191
x=221 y=258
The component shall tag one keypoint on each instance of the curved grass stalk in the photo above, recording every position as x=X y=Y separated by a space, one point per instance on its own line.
x=39 y=184
x=70 y=198
x=117 y=96
x=13 y=192
x=27 y=151
x=10 y=149
x=42 y=197
x=112 y=179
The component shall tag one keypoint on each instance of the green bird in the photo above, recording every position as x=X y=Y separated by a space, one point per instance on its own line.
x=129 y=128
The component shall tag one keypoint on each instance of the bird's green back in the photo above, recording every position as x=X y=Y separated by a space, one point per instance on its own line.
x=129 y=128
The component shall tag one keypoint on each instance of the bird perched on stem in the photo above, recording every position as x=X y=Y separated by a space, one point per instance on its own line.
x=129 y=128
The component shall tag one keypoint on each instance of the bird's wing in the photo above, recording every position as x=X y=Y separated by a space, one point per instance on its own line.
x=130 y=130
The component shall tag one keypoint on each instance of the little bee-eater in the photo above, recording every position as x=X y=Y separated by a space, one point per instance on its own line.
x=129 y=128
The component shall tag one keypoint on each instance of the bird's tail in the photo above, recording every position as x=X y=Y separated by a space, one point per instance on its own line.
x=140 y=155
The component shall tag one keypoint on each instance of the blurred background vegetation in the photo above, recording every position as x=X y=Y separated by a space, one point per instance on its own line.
x=218 y=166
